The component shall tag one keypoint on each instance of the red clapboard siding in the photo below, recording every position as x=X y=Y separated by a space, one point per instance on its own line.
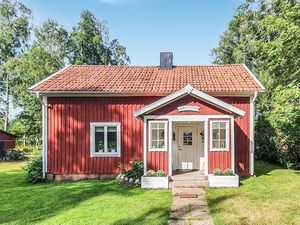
x=9 y=140
x=69 y=132
x=242 y=134
x=219 y=159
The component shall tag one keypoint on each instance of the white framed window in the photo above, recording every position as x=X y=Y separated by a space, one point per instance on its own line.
x=219 y=136
x=157 y=135
x=105 y=139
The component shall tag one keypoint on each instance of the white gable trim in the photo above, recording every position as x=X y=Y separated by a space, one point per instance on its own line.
x=189 y=90
x=255 y=78
x=47 y=78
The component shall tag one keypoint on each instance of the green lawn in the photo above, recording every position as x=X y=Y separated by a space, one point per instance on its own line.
x=83 y=202
x=273 y=197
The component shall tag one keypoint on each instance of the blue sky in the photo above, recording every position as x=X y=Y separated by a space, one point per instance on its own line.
x=188 y=28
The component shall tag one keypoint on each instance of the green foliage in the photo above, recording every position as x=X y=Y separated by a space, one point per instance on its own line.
x=217 y=172
x=136 y=171
x=160 y=173
x=151 y=173
x=265 y=35
x=34 y=171
x=227 y=172
x=16 y=155
x=90 y=43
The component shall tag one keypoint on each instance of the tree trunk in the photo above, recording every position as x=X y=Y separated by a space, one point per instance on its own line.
x=6 y=102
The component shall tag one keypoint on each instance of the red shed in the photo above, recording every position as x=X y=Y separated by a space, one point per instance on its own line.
x=8 y=139
x=173 y=117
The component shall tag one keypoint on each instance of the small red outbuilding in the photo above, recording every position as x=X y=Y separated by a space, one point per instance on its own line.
x=8 y=140
x=173 y=117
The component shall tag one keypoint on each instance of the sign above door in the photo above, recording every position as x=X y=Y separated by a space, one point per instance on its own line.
x=188 y=108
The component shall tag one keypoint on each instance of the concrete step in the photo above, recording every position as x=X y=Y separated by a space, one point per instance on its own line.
x=188 y=184
x=185 y=192
x=185 y=177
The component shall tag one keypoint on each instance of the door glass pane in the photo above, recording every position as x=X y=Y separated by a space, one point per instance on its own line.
x=99 y=139
x=111 y=139
x=187 y=138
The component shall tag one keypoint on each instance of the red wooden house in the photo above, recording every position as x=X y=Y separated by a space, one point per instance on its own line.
x=8 y=140
x=173 y=117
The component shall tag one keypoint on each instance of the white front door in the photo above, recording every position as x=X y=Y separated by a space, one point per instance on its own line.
x=188 y=149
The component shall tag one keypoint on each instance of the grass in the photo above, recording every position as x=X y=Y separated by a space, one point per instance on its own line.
x=272 y=197
x=82 y=202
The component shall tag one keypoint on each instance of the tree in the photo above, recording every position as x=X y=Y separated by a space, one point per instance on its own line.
x=48 y=52
x=91 y=45
x=265 y=35
x=14 y=33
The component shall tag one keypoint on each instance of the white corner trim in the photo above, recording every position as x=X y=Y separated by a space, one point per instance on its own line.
x=252 y=149
x=170 y=138
x=49 y=77
x=165 y=149
x=232 y=146
x=145 y=146
x=206 y=147
x=194 y=92
x=92 y=139
x=45 y=134
x=254 y=77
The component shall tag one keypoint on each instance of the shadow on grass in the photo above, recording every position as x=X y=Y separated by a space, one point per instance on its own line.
x=146 y=218
x=27 y=203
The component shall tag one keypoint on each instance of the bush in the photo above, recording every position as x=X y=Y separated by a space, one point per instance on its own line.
x=160 y=173
x=228 y=172
x=16 y=155
x=34 y=171
x=151 y=173
x=217 y=172
x=136 y=171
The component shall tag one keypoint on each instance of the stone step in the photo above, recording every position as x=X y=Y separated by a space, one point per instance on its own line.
x=185 y=177
x=183 y=192
x=188 y=184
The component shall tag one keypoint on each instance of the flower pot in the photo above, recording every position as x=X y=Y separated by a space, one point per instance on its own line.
x=155 y=182
x=223 y=181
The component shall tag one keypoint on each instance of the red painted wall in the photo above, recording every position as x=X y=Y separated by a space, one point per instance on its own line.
x=9 y=141
x=69 y=132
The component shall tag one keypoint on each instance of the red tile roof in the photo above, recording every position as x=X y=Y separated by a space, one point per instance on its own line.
x=150 y=79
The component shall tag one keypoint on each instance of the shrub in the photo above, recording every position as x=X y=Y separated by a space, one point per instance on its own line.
x=217 y=172
x=151 y=173
x=138 y=167
x=227 y=172
x=160 y=173
x=34 y=171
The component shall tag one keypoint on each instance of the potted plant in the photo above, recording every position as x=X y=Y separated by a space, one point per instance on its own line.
x=155 y=180
x=225 y=178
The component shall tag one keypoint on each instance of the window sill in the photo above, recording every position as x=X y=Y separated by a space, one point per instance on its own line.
x=219 y=150
x=157 y=150
x=105 y=155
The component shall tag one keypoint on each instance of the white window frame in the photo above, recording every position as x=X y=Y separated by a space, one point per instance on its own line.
x=93 y=125
x=150 y=136
x=211 y=136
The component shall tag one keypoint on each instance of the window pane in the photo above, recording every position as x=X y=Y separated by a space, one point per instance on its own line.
x=161 y=134
x=154 y=134
x=215 y=134
x=154 y=125
x=222 y=133
x=222 y=125
x=99 y=139
x=161 y=125
x=215 y=125
x=215 y=144
x=222 y=143
x=161 y=144
x=154 y=144
x=111 y=139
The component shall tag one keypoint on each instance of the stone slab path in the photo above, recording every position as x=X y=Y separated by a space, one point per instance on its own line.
x=189 y=210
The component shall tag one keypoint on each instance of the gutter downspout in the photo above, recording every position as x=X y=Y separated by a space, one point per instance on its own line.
x=252 y=116
x=43 y=101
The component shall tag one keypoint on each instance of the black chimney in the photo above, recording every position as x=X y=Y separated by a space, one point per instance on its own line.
x=166 y=60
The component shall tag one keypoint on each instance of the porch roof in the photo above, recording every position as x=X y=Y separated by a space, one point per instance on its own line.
x=189 y=90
